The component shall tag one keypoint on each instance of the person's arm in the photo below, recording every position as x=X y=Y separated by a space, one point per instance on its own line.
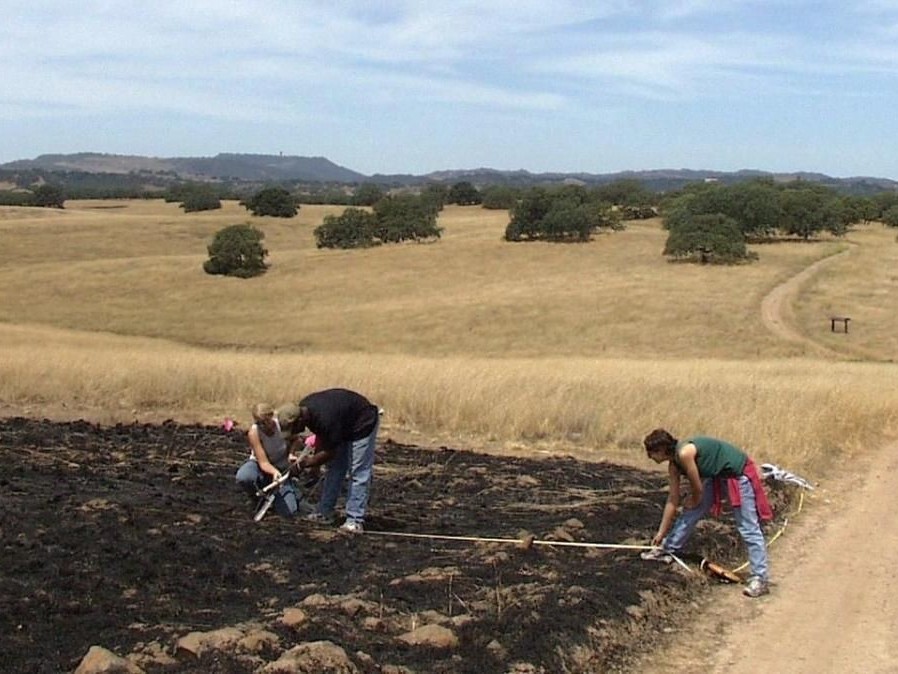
x=259 y=452
x=687 y=460
x=323 y=453
x=294 y=448
x=670 y=507
x=325 y=443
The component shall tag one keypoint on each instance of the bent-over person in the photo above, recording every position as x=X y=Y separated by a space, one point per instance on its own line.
x=711 y=467
x=345 y=425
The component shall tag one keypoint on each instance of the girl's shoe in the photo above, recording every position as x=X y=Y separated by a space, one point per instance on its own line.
x=756 y=587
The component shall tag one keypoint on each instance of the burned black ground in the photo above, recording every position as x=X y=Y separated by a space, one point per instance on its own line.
x=123 y=535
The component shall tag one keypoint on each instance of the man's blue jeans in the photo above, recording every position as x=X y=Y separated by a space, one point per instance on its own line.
x=357 y=459
x=250 y=478
x=747 y=524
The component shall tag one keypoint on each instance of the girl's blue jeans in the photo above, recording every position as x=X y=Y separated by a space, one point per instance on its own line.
x=250 y=479
x=747 y=524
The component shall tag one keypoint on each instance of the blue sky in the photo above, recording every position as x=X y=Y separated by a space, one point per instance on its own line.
x=414 y=87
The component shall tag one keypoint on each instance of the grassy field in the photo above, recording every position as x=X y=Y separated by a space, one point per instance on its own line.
x=106 y=312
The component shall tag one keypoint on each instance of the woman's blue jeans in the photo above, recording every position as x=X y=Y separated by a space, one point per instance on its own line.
x=747 y=524
x=251 y=478
x=355 y=458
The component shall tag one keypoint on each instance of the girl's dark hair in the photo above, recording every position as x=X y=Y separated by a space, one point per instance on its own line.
x=660 y=440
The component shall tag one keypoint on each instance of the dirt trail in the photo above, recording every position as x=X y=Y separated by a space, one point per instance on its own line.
x=777 y=315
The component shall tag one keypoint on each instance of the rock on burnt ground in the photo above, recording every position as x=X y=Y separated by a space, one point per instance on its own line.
x=134 y=538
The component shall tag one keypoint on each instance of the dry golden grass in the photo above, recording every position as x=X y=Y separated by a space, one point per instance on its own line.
x=469 y=340
x=139 y=272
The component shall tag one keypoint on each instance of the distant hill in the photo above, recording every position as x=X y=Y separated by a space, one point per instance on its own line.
x=658 y=180
x=241 y=167
x=258 y=168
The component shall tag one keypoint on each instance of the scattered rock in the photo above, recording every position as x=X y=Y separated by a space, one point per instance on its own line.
x=151 y=654
x=396 y=669
x=316 y=600
x=525 y=668
x=314 y=657
x=497 y=649
x=372 y=624
x=461 y=620
x=102 y=661
x=97 y=504
x=197 y=643
x=352 y=607
x=432 y=617
x=257 y=641
x=365 y=660
x=636 y=611
x=498 y=557
x=435 y=636
x=561 y=534
x=294 y=617
x=429 y=574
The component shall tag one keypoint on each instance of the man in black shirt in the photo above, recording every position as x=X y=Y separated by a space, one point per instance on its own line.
x=345 y=425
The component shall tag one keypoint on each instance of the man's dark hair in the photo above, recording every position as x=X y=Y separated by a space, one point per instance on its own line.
x=660 y=440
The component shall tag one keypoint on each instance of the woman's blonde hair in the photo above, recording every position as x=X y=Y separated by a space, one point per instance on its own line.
x=262 y=411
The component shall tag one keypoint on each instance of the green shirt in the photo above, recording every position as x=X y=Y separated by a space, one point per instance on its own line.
x=714 y=458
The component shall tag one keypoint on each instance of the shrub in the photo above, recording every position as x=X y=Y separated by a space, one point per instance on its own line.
x=200 y=200
x=710 y=237
x=237 y=250
x=48 y=196
x=367 y=194
x=638 y=212
x=15 y=198
x=406 y=218
x=274 y=201
x=567 y=214
x=464 y=194
x=354 y=228
x=499 y=197
x=890 y=217
x=435 y=194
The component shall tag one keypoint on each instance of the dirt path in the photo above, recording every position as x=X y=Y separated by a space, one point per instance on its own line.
x=833 y=607
x=777 y=315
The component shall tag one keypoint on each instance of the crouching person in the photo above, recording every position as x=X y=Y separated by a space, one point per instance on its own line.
x=345 y=425
x=269 y=459
x=711 y=466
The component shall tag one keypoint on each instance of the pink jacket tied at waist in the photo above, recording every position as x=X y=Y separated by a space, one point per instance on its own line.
x=765 y=512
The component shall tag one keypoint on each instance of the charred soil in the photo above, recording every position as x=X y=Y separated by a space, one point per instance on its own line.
x=132 y=536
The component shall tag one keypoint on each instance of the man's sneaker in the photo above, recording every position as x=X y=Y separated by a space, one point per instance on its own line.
x=352 y=527
x=318 y=517
x=755 y=587
x=657 y=555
